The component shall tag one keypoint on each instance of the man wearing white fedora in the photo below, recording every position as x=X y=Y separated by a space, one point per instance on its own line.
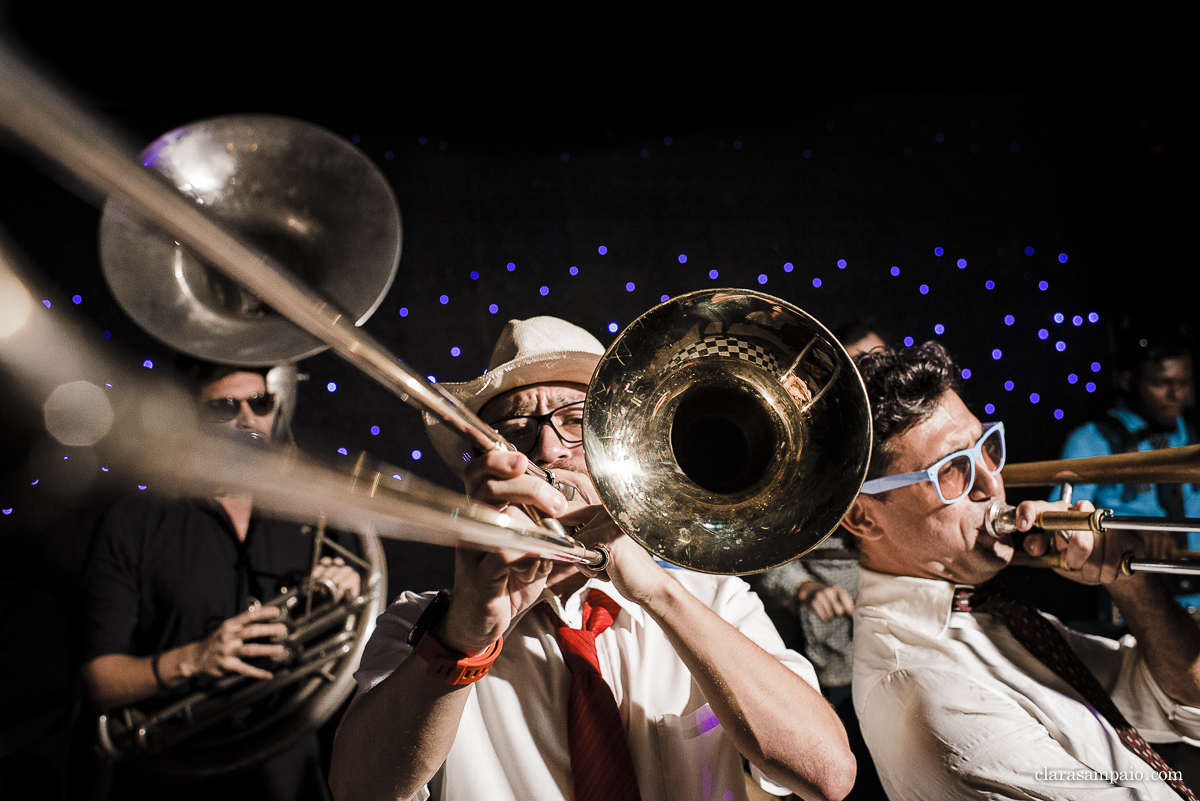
x=534 y=680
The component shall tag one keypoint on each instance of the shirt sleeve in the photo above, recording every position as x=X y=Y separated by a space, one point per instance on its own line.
x=112 y=588
x=939 y=736
x=388 y=647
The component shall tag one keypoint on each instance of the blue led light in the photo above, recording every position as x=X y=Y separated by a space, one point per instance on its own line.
x=713 y=274
x=966 y=373
x=1062 y=258
x=816 y=283
x=1034 y=397
x=474 y=275
x=664 y=298
x=7 y=511
x=510 y=267
x=422 y=140
x=683 y=258
x=908 y=342
x=924 y=289
x=1090 y=386
x=574 y=270
x=807 y=154
x=355 y=139
x=565 y=156
x=1043 y=285
x=612 y=328
x=1095 y=367
x=403 y=311
x=1072 y=378
x=668 y=140
x=1077 y=320
x=331 y=387
x=989 y=408
x=895 y=271
x=1058 y=414
x=456 y=351
x=1060 y=346
x=493 y=308
x=962 y=264
x=77 y=299
x=630 y=286
x=1058 y=317
x=432 y=379
x=602 y=250
x=645 y=153
x=938 y=251
x=397 y=476
x=34 y=483
x=1009 y=319
x=416 y=454
x=1029 y=251
x=107 y=335
x=1043 y=333
x=103 y=469
x=788 y=267
x=443 y=299
x=149 y=365
x=389 y=155
x=989 y=284
x=737 y=144
x=46 y=303
x=1093 y=317
x=1008 y=385
x=375 y=431
x=939 y=329
x=762 y=278
x=997 y=353
x=544 y=291
x=841 y=264
x=108 y=384
x=141 y=486
x=939 y=137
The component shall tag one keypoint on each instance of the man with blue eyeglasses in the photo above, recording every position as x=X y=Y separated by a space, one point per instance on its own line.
x=961 y=691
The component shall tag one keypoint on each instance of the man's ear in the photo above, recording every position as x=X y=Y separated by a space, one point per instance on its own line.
x=862 y=519
x=1125 y=381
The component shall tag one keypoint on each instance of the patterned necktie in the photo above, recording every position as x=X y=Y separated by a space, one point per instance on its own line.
x=601 y=767
x=1044 y=641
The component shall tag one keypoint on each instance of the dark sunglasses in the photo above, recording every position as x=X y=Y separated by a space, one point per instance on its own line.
x=222 y=410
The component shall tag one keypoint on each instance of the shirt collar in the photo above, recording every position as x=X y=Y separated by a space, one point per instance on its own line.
x=917 y=603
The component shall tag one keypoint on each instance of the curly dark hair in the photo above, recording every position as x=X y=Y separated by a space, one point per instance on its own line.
x=904 y=386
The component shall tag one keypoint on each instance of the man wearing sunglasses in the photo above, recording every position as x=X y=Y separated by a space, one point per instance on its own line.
x=481 y=701
x=172 y=601
x=959 y=696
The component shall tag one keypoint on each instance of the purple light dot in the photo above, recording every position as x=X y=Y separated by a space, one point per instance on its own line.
x=908 y=342
x=962 y=264
x=737 y=144
x=493 y=308
x=1090 y=386
x=103 y=469
x=356 y=139
x=432 y=379
x=645 y=153
x=331 y=387
x=443 y=299
x=422 y=140
x=895 y=271
x=1058 y=414
x=966 y=373
x=713 y=274
x=807 y=154
x=46 y=303
x=343 y=451
x=1060 y=346
x=574 y=270
x=389 y=155
x=664 y=298
x=1029 y=251
x=544 y=291
x=939 y=329
x=1058 y=317
x=630 y=286
x=1072 y=378
x=141 y=486
x=612 y=328
x=510 y=267
x=77 y=299
x=938 y=251
x=107 y=335
x=375 y=431
x=403 y=311
x=668 y=140
x=816 y=283
x=1008 y=386
x=602 y=250
x=1043 y=285
x=1093 y=317
x=989 y=408
x=397 y=476
x=997 y=353
x=1095 y=367
x=1034 y=397
x=841 y=264
x=565 y=156
x=683 y=258
x=416 y=455
x=989 y=284
x=924 y=289
x=762 y=278
x=1077 y=320
x=108 y=384
x=788 y=267
x=474 y=275
x=1009 y=319
x=456 y=351
x=34 y=482
x=149 y=365
x=939 y=137
x=1062 y=258
x=7 y=511
x=1043 y=333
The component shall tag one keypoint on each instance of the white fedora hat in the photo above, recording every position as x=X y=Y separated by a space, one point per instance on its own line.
x=531 y=351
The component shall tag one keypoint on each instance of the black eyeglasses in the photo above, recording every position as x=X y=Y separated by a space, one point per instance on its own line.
x=222 y=410
x=525 y=431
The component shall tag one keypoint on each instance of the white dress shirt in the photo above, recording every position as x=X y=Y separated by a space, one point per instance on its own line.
x=511 y=743
x=953 y=707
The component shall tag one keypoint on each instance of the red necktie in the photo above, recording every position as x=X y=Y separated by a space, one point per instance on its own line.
x=1044 y=641
x=601 y=767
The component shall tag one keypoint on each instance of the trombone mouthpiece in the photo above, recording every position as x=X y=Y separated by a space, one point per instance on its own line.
x=1001 y=519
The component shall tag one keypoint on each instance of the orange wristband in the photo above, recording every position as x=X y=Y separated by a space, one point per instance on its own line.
x=451 y=666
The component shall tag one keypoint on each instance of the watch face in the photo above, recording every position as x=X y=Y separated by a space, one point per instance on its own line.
x=431 y=617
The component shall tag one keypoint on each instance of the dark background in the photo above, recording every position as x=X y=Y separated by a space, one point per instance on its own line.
x=776 y=155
